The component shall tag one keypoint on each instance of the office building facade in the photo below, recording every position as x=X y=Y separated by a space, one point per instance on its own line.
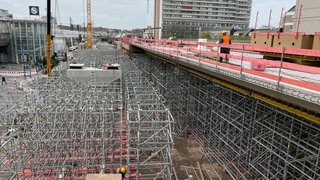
x=5 y=18
x=21 y=39
x=28 y=40
x=193 y=16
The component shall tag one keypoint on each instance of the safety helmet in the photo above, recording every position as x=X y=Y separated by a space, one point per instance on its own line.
x=122 y=169
x=223 y=31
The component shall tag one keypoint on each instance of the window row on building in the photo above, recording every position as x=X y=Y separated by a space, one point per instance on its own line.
x=203 y=25
x=204 y=14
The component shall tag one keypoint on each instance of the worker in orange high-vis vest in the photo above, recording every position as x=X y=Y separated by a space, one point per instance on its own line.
x=225 y=40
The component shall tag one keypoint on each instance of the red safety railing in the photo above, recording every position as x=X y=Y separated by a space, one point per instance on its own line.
x=242 y=52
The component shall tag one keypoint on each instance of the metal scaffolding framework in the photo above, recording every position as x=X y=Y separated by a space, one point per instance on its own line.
x=149 y=126
x=249 y=138
x=65 y=129
x=197 y=173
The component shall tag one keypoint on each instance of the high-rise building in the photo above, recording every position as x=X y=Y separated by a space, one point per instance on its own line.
x=193 y=16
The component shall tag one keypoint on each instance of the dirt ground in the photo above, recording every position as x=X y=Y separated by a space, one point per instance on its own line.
x=186 y=153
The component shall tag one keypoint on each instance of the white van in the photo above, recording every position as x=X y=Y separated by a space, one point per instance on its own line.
x=72 y=48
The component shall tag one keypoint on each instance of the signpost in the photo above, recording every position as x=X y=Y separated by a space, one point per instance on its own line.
x=34 y=11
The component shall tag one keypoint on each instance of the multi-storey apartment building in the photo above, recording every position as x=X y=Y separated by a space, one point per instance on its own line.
x=200 y=15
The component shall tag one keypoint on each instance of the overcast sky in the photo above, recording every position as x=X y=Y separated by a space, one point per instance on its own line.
x=128 y=14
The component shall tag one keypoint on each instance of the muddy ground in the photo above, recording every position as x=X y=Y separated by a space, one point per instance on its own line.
x=187 y=154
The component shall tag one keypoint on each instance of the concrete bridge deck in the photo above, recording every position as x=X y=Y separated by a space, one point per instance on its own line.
x=291 y=87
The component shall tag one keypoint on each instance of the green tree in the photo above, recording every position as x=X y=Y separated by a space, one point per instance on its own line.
x=180 y=32
x=205 y=35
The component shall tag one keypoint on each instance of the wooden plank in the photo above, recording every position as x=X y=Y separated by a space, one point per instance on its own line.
x=200 y=170
x=103 y=177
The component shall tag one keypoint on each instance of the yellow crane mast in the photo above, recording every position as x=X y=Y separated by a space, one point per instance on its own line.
x=89 y=25
x=48 y=38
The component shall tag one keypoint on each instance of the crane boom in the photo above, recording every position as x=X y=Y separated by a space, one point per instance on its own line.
x=89 y=25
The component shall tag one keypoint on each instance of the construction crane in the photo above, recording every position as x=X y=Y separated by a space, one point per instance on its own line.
x=89 y=26
x=48 y=38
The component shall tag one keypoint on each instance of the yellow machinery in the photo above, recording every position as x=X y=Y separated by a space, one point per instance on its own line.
x=89 y=26
x=48 y=38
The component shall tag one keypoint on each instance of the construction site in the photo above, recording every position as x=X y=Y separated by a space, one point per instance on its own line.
x=155 y=118
x=167 y=110
x=64 y=129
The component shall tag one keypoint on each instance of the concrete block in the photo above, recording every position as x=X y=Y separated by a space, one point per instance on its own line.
x=293 y=40
x=262 y=39
x=202 y=44
x=316 y=41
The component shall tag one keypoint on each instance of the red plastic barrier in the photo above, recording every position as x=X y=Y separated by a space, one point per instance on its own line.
x=133 y=176
x=77 y=178
x=26 y=172
x=258 y=66
x=124 y=142
x=117 y=157
x=116 y=168
x=118 y=150
x=122 y=137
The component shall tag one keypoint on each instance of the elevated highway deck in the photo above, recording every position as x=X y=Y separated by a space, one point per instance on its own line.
x=292 y=87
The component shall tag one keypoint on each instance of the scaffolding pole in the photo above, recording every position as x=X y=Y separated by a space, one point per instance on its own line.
x=247 y=137
x=149 y=126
